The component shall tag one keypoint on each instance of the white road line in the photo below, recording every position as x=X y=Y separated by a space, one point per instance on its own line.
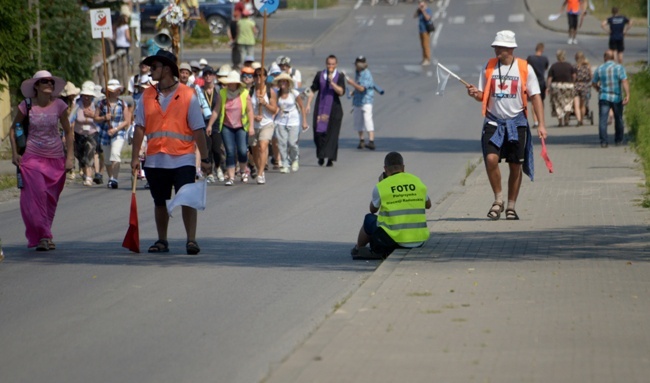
x=436 y=34
x=517 y=18
x=358 y=4
x=394 y=21
x=371 y=21
x=457 y=20
x=486 y=19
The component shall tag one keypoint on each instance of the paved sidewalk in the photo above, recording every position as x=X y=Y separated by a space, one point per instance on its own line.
x=560 y=296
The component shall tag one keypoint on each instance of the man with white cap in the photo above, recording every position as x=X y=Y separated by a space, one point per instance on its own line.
x=506 y=133
x=113 y=117
x=169 y=115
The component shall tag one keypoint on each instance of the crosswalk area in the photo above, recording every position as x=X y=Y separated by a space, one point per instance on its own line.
x=399 y=19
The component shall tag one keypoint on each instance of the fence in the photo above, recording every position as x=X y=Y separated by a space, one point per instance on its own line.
x=118 y=68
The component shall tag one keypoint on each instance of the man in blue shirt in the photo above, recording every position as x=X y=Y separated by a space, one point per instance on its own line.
x=609 y=79
x=617 y=27
x=363 y=95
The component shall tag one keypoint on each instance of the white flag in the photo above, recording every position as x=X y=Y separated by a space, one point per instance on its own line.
x=591 y=5
x=192 y=195
x=443 y=76
x=554 y=16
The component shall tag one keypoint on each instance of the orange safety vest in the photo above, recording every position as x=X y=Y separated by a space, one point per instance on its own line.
x=523 y=77
x=168 y=132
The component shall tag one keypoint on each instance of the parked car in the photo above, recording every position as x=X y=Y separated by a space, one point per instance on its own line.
x=217 y=13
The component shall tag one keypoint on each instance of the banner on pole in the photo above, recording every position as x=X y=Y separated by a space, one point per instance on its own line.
x=100 y=22
x=269 y=6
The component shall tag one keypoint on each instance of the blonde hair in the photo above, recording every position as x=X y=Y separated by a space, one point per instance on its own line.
x=561 y=55
x=581 y=59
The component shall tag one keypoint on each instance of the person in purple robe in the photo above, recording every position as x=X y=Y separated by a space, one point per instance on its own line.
x=328 y=112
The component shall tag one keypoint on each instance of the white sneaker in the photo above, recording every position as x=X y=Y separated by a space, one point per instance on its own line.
x=72 y=176
x=570 y=41
x=261 y=180
x=88 y=181
x=209 y=179
x=295 y=166
x=284 y=170
x=575 y=41
x=220 y=176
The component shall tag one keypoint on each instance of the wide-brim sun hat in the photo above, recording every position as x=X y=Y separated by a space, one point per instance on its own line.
x=505 y=39
x=283 y=76
x=114 y=85
x=248 y=70
x=164 y=57
x=224 y=70
x=27 y=86
x=274 y=69
x=203 y=62
x=145 y=81
x=70 y=90
x=88 y=89
x=232 y=78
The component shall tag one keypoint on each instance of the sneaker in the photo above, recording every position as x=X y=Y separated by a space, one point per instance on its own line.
x=220 y=176
x=284 y=170
x=575 y=41
x=98 y=179
x=295 y=166
x=72 y=176
x=245 y=177
x=112 y=184
x=199 y=175
x=426 y=62
x=570 y=41
x=261 y=180
x=361 y=144
x=229 y=182
x=88 y=181
x=371 y=145
x=209 y=179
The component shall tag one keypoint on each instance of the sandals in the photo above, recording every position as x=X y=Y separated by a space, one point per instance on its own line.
x=511 y=215
x=160 y=246
x=43 y=245
x=192 y=248
x=495 y=211
x=50 y=245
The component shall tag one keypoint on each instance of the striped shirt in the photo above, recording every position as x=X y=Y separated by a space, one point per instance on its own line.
x=610 y=75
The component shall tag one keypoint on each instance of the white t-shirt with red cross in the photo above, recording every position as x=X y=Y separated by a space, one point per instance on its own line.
x=505 y=101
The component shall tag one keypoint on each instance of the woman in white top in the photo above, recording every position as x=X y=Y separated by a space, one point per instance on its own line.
x=287 y=122
x=264 y=102
x=122 y=35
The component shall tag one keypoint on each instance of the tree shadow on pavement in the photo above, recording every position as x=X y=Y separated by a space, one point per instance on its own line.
x=629 y=243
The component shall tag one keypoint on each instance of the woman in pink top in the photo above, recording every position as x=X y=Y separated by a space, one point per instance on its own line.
x=44 y=163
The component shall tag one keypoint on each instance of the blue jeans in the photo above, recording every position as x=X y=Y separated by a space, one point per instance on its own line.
x=235 y=141
x=603 y=115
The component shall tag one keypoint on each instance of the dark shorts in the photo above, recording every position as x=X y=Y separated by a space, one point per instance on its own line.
x=85 y=148
x=161 y=182
x=380 y=241
x=513 y=152
x=573 y=20
x=617 y=45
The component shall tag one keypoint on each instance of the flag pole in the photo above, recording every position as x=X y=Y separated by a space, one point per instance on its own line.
x=108 y=106
x=259 y=90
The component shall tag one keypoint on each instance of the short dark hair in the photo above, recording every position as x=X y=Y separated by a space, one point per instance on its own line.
x=332 y=57
x=539 y=47
x=393 y=159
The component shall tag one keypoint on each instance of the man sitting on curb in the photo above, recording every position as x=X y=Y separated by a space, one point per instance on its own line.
x=400 y=200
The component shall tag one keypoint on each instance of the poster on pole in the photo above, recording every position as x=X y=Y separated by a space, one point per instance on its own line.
x=100 y=22
x=269 y=6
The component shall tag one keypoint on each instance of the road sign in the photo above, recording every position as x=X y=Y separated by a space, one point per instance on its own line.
x=269 y=6
x=100 y=21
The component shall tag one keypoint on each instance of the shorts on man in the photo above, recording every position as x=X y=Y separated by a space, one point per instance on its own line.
x=617 y=45
x=513 y=152
x=161 y=181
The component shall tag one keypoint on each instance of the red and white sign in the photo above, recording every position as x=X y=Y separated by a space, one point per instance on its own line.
x=100 y=22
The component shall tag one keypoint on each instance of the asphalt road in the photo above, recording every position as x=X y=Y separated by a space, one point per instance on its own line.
x=275 y=259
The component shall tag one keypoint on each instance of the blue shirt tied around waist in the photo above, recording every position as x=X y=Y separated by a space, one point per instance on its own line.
x=508 y=127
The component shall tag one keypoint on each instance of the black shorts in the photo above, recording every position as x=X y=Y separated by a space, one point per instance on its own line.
x=617 y=45
x=573 y=20
x=513 y=152
x=162 y=180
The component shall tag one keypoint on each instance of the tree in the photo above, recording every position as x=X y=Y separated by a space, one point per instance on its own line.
x=67 y=47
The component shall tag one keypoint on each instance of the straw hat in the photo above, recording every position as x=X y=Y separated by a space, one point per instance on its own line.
x=88 y=89
x=283 y=76
x=114 y=85
x=27 y=87
x=232 y=78
x=185 y=66
x=505 y=39
x=70 y=90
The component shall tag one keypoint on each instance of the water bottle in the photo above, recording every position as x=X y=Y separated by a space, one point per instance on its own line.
x=21 y=141
x=378 y=89
x=19 y=178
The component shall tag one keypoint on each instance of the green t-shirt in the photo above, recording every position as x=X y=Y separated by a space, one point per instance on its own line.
x=246 y=34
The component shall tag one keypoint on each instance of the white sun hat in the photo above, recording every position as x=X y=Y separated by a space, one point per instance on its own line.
x=505 y=39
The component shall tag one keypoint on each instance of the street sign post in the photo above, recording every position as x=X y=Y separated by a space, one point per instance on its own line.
x=101 y=26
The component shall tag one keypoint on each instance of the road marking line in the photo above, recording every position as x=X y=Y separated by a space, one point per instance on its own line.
x=517 y=18
x=486 y=19
x=436 y=34
x=457 y=20
x=371 y=21
x=394 y=21
x=358 y=4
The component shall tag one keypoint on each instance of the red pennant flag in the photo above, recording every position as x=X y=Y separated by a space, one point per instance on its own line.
x=132 y=237
x=547 y=160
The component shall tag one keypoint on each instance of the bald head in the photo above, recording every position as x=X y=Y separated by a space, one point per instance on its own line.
x=609 y=55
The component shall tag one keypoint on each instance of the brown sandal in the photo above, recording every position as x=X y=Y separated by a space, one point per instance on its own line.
x=495 y=211
x=43 y=245
x=51 y=245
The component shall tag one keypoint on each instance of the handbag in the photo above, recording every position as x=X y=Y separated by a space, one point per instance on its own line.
x=430 y=26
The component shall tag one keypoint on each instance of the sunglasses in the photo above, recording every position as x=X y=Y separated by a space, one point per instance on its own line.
x=247 y=76
x=46 y=81
x=154 y=67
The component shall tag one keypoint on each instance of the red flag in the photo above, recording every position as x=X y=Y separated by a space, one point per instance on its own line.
x=547 y=160
x=132 y=237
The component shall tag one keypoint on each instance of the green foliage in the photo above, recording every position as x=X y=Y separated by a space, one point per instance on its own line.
x=309 y=4
x=66 y=44
x=201 y=30
x=15 y=46
x=637 y=117
x=629 y=8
